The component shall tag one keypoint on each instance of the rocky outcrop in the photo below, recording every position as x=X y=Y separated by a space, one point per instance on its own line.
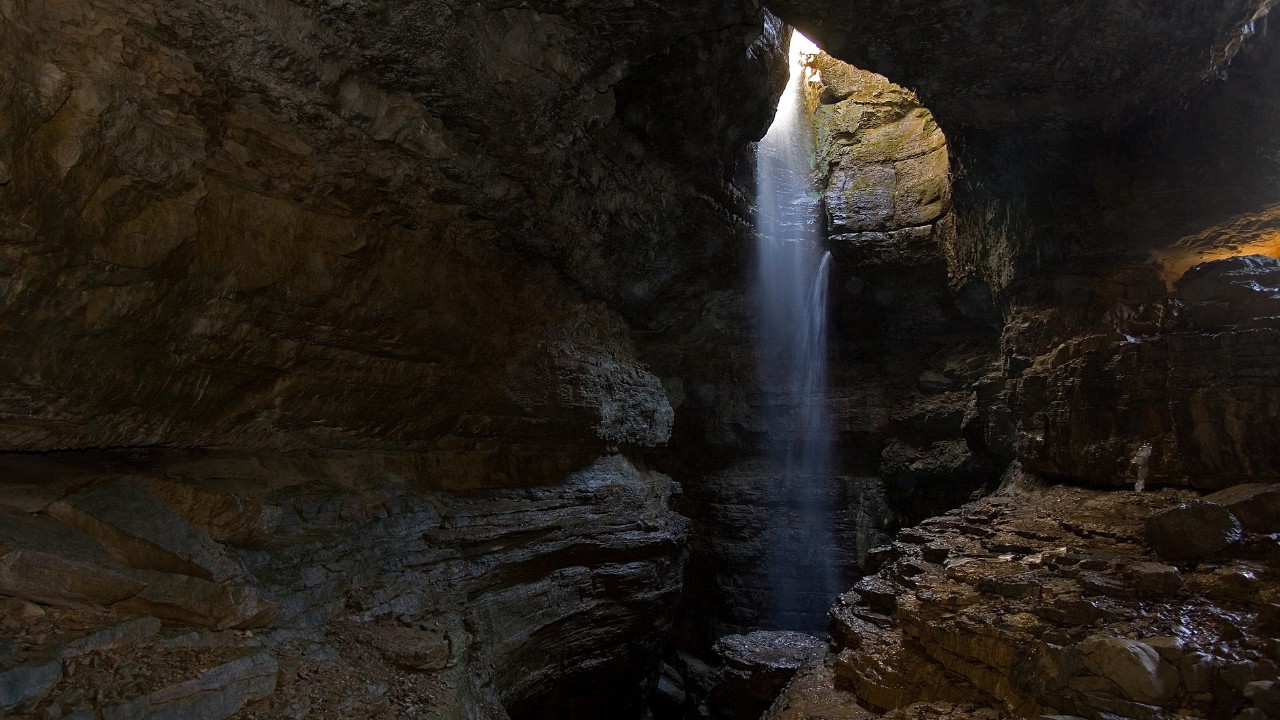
x=519 y=601
x=406 y=246
x=1047 y=602
x=1154 y=396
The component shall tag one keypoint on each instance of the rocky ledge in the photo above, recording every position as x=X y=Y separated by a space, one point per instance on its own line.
x=333 y=587
x=1062 y=601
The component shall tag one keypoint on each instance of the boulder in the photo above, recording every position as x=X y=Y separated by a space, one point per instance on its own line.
x=1255 y=505
x=412 y=648
x=1191 y=531
x=759 y=665
x=219 y=692
x=1153 y=581
x=1135 y=667
x=28 y=683
x=195 y=601
x=1231 y=291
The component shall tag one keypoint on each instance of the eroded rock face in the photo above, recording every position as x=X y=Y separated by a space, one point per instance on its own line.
x=1137 y=310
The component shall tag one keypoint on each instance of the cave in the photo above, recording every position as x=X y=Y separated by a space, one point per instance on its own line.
x=426 y=359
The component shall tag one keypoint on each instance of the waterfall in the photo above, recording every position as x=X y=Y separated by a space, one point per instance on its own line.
x=791 y=294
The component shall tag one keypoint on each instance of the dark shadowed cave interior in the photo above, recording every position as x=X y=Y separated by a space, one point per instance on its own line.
x=409 y=359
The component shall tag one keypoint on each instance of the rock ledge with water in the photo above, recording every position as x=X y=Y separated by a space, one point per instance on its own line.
x=1052 y=602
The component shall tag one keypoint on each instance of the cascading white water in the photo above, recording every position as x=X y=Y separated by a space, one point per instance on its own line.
x=792 y=293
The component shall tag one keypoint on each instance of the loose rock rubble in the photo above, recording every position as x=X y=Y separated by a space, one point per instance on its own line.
x=1061 y=602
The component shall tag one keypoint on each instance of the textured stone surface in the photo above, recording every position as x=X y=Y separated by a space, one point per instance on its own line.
x=471 y=606
x=1135 y=667
x=227 y=518
x=48 y=562
x=757 y=666
x=144 y=532
x=1036 y=610
x=1191 y=531
x=306 y=223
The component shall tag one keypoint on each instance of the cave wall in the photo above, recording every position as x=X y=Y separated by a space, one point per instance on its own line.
x=1084 y=188
x=403 y=265
x=1116 y=348
x=385 y=263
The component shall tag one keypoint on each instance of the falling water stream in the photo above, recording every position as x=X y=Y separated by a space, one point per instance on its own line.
x=792 y=291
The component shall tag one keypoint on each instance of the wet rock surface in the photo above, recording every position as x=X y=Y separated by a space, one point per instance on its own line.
x=1050 y=602
x=757 y=666
x=1192 y=531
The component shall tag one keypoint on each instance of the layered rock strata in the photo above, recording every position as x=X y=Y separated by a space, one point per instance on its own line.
x=1059 y=601
x=357 y=590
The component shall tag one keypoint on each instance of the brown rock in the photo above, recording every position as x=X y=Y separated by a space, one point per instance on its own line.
x=192 y=600
x=1135 y=667
x=1255 y=505
x=413 y=648
x=1191 y=531
x=226 y=517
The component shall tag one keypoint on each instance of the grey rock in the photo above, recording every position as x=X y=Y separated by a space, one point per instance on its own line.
x=28 y=683
x=48 y=562
x=759 y=665
x=1265 y=696
x=125 y=633
x=1170 y=648
x=1153 y=581
x=1196 y=670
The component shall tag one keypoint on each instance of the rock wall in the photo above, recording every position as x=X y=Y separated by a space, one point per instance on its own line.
x=274 y=224
x=1118 y=352
x=1080 y=201
x=365 y=592
x=388 y=260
